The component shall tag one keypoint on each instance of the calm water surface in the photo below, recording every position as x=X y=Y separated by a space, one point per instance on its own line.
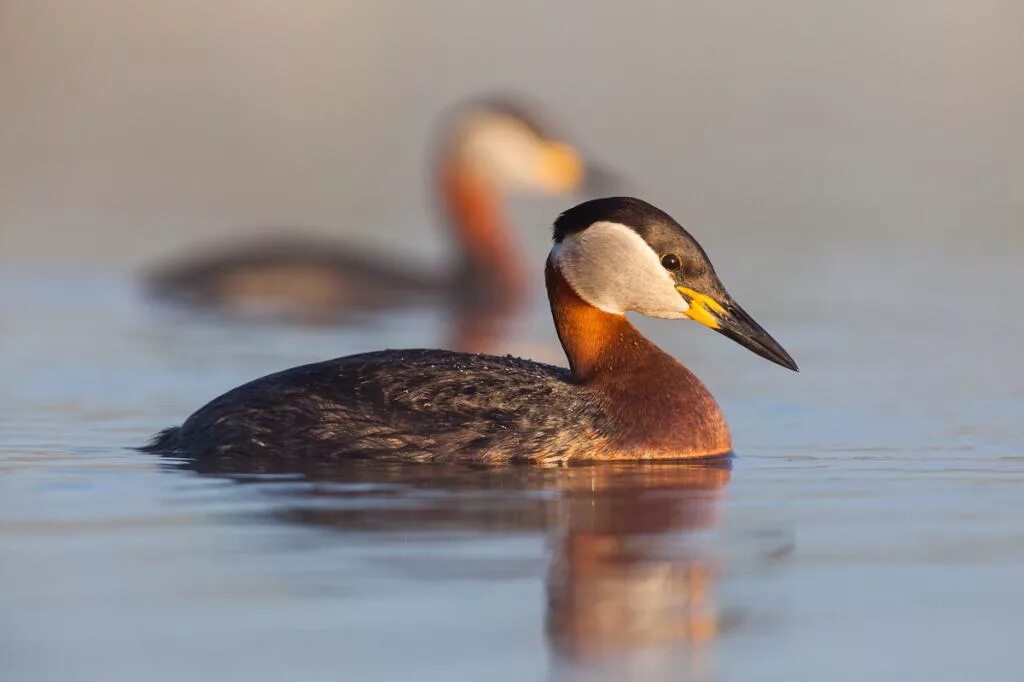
x=871 y=526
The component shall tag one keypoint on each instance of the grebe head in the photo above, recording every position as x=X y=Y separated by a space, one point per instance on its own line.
x=622 y=254
x=505 y=144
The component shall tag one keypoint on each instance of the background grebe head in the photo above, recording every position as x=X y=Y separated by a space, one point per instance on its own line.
x=621 y=254
x=490 y=148
x=505 y=143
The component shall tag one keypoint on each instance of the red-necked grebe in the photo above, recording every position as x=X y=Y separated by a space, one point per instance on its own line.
x=621 y=398
x=488 y=149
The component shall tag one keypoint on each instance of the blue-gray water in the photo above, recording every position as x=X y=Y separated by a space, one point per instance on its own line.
x=871 y=526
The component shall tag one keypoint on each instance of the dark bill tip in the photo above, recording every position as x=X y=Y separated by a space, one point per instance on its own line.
x=741 y=328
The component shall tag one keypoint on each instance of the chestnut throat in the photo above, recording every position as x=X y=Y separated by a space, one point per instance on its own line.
x=657 y=407
x=490 y=267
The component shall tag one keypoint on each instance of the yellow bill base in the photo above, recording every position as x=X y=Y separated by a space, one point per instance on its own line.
x=703 y=308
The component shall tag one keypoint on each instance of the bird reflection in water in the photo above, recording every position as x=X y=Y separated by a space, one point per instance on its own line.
x=630 y=580
x=627 y=575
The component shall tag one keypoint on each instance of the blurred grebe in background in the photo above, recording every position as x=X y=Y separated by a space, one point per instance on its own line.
x=487 y=149
x=621 y=398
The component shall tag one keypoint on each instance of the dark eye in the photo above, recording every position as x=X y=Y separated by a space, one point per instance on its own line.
x=670 y=261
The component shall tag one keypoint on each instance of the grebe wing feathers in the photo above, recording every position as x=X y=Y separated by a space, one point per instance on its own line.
x=410 y=405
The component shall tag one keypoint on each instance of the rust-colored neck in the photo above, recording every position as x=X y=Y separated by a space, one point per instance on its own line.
x=657 y=406
x=474 y=209
x=595 y=342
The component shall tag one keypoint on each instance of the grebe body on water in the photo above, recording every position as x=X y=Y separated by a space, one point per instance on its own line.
x=621 y=397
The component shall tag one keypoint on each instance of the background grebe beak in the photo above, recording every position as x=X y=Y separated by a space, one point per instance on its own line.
x=729 y=319
x=563 y=168
x=559 y=168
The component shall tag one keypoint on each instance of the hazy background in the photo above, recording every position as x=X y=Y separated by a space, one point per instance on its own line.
x=131 y=129
x=855 y=170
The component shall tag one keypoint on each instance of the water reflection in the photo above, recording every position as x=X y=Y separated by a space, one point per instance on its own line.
x=625 y=575
x=630 y=576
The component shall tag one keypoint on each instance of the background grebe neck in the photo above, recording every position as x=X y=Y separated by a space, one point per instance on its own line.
x=474 y=210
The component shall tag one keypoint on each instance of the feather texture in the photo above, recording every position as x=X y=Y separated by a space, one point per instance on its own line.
x=411 y=405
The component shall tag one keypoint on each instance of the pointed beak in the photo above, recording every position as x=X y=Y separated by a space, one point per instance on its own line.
x=562 y=168
x=729 y=319
x=559 y=168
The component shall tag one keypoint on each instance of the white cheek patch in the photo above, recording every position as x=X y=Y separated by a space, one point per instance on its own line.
x=501 y=150
x=613 y=269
